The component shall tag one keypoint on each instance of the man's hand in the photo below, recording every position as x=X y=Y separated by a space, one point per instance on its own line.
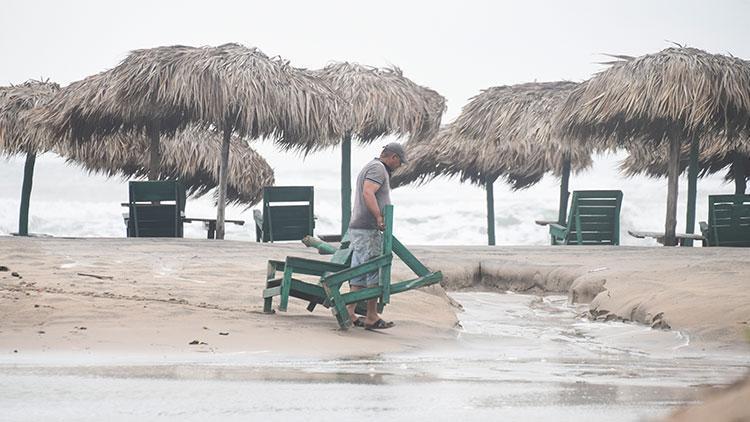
x=381 y=224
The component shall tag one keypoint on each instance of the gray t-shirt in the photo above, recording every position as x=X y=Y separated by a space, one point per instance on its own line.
x=374 y=171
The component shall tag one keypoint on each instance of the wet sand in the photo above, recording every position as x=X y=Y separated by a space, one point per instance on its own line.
x=148 y=299
x=159 y=294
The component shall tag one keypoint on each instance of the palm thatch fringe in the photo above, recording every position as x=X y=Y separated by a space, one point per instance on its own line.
x=714 y=157
x=191 y=156
x=384 y=102
x=677 y=91
x=226 y=87
x=16 y=103
x=506 y=133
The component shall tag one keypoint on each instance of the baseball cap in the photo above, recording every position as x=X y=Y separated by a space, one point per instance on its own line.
x=396 y=148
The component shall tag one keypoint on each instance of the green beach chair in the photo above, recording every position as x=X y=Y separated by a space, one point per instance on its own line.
x=334 y=274
x=594 y=219
x=728 y=221
x=287 y=285
x=288 y=214
x=156 y=209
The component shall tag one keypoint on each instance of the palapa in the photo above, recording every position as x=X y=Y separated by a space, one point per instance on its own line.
x=18 y=136
x=191 y=155
x=229 y=88
x=673 y=96
x=504 y=132
x=382 y=102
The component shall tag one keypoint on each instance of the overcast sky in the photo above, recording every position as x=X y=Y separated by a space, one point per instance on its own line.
x=457 y=48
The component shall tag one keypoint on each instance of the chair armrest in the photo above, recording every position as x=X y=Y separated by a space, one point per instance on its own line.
x=277 y=265
x=558 y=231
x=337 y=279
x=311 y=266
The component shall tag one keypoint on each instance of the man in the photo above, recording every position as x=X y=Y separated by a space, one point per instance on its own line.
x=365 y=228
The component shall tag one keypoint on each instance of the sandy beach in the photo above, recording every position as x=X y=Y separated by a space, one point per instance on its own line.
x=160 y=299
x=158 y=295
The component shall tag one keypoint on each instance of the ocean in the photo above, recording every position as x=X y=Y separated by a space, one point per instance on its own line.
x=68 y=201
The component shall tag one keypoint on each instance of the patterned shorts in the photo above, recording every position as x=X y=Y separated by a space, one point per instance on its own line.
x=366 y=245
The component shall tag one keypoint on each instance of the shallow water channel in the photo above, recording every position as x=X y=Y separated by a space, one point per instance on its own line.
x=518 y=357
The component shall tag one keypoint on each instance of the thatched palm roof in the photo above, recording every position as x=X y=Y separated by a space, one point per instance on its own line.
x=192 y=156
x=229 y=86
x=504 y=132
x=684 y=91
x=714 y=157
x=384 y=102
x=16 y=102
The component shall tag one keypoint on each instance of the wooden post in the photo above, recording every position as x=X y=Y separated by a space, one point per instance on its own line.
x=670 y=224
x=28 y=177
x=490 y=213
x=738 y=170
x=564 y=193
x=692 y=189
x=152 y=131
x=223 y=173
x=346 y=182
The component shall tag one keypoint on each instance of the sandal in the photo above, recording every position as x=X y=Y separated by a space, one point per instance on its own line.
x=359 y=322
x=379 y=325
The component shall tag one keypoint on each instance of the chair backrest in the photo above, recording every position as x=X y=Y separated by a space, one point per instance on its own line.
x=156 y=208
x=729 y=220
x=288 y=212
x=594 y=217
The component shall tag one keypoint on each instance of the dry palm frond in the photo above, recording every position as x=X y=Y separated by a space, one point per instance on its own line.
x=715 y=155
x=16 y=103
x=191 y=156
x=681 y=91
x=224 y=87
x=384 y=102
x=504 y=132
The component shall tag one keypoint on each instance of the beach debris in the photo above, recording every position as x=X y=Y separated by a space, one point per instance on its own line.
x=40 y=332
x=15 y=274
x=4 y=268
x=100 y=277
x=596 y=270
x=197 y=342
x=80 y=328
x=223 y=334
x=15 y=351
x=36 y=306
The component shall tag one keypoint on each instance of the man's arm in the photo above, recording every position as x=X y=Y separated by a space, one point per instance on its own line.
x=368 y=192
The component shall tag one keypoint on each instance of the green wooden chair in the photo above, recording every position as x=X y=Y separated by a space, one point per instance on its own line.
x=334 y=274
x=287 y=285
x=728 y=221
x=594 y=219
x=288 y=214
x=156 y=209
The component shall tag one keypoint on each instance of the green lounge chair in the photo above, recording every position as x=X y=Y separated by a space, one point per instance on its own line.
x=594 y=219
x=156 y=209
x=728 y=221
x=334 y=274
x=288 y=214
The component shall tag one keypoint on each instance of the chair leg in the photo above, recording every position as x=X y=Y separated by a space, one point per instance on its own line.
x=338 y=307
x=268 y=306
x=286 y=286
